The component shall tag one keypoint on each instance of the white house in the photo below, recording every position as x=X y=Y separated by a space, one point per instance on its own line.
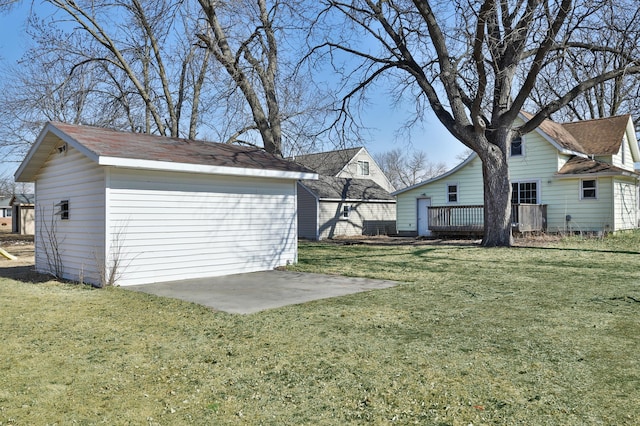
x=352 y=196
x=576 y=176
x=137 y=208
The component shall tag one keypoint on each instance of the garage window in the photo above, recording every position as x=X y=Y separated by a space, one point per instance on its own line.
x=63 y=209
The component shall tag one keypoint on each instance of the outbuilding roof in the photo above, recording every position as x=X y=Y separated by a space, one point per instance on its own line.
x=334 y=188
x=144 y=151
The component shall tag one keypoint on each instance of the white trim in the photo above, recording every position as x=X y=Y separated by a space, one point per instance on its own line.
x=553 y=141
x=201 y=168
x=354 y=200
x=457 y=185
x=633 y=141
x=350 y=160
x=538 y=183
x=581 y=189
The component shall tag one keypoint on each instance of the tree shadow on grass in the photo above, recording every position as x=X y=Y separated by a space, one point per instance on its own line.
x=580 y=249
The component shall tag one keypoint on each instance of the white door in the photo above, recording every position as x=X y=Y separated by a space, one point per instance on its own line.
x=423 y=218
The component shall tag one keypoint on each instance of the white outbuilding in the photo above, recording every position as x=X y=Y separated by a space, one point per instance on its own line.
x=129 y=208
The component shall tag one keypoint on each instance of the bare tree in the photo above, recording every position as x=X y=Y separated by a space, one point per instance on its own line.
x=255 y=41
x=406 y=169
x=475 y=64
x=620 y=95
x=128 y=65
x=225 y=71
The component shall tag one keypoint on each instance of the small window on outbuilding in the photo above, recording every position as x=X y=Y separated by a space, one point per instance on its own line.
x=63 y=209
x=516 y=146
x=589 y=189
x=452 y=193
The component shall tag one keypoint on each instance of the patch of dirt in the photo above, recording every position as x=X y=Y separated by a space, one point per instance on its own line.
x=22 y=268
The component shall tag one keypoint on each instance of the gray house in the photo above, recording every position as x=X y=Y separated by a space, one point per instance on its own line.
x=351 y=197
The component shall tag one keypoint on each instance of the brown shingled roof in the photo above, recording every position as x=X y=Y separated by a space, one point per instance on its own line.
x=585 y=166
x=111 y=143
x=601 y=136
x=558 y=133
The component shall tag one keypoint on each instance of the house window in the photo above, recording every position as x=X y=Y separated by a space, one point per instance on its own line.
x=452 y=193
x=516 y=146
x=63 y=209
x=363 y=168
x=589 y=189
x=524 y=192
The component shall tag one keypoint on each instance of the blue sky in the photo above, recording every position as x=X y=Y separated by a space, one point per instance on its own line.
x=382 y=119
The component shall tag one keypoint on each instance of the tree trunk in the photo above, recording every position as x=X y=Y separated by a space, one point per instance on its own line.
x=497 y=199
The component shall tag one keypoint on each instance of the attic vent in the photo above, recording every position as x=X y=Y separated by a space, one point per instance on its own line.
x=62 y=148
x=63 y=209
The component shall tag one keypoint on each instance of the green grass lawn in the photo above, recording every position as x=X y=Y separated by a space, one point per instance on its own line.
x=531 y=336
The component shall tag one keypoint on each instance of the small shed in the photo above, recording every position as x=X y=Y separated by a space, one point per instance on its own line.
x=127 y=208
x=5 y=214
x=23 y=213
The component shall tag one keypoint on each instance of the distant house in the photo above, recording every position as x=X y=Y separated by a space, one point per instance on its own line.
x=23 y=213
x=569 y=177
x=5 y=214
x=138 y=208
x=351 y=197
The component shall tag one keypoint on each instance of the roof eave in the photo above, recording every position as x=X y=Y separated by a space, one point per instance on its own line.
x=602 y=174
x=356 y=200
x=39 y=152
x=434 y=179
x=203 y=168
x=633 y=140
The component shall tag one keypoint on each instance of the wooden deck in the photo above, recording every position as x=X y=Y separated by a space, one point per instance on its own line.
x=456 y=220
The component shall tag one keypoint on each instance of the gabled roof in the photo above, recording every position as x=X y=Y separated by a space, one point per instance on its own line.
x=564 y=140
x=346 y=189
x=601 y=136
x=588 y=167
x=442 y=176
x=5 y=202
x=328 y=163
x=143 y=151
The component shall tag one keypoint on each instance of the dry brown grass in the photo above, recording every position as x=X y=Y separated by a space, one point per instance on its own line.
x=536 y=336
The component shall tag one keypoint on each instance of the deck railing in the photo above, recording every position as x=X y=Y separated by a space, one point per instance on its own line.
x=470 y=219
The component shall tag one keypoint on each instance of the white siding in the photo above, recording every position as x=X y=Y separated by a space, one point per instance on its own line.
x=375 y=172
x=587 y=215
x=307 y=214
x=624 y=157
x=625 y=196
x=364 y=217
x=178 y=226
x=71 y=176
